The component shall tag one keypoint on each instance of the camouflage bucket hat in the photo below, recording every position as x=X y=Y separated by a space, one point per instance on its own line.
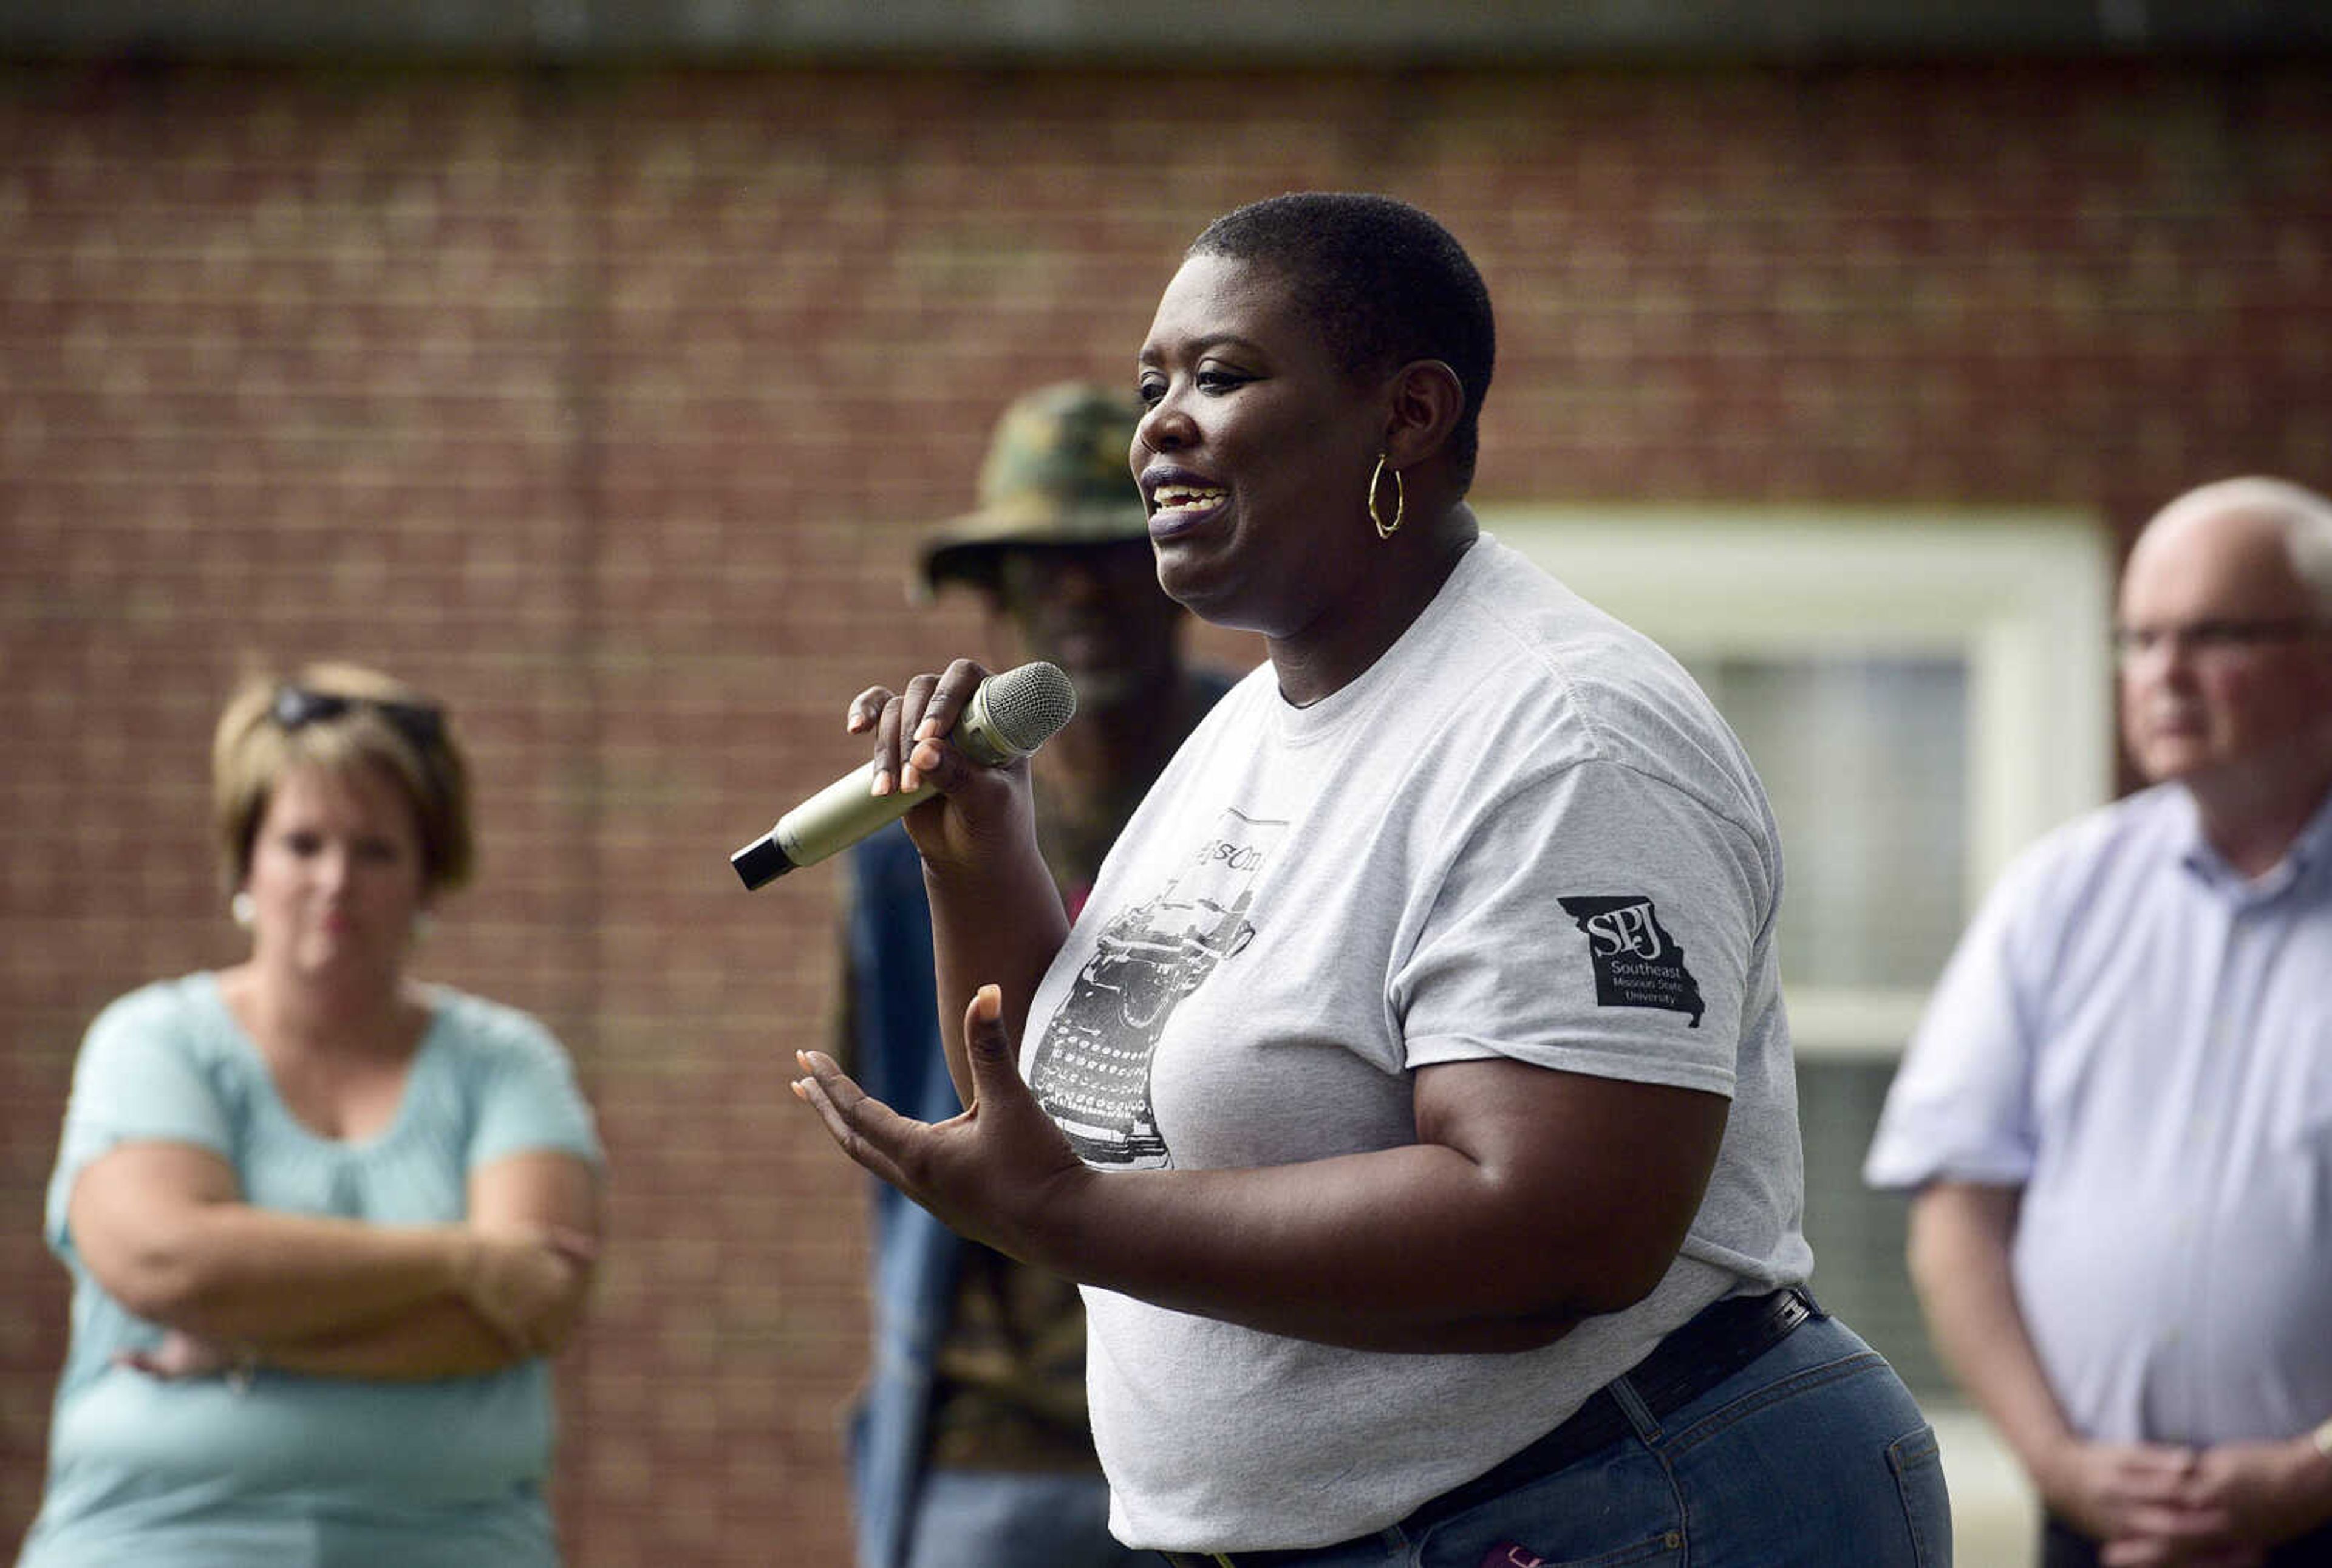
x=1056 y=474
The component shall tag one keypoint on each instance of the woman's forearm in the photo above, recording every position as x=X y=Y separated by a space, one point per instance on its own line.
x=1004 y=926
x=437 y=1339
x=1403 y=1249
x=240 y=1274
x=165 y=1229
x=1315 y=1252
x=166 y=1232
x=1532 y=1199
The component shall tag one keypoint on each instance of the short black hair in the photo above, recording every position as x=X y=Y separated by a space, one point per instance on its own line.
x=1383 y=282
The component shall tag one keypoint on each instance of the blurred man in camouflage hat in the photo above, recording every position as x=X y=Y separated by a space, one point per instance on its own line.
x=972 y=1449
x=1056 y=474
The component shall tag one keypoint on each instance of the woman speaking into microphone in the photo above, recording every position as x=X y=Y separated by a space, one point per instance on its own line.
x=1412 y=1097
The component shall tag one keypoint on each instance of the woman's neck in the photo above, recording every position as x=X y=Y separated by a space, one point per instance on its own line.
x=361 y=1017
x=1347 y=637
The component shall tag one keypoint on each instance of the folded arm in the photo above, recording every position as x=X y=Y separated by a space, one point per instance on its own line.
x=524 y=1202
x=165 y=1231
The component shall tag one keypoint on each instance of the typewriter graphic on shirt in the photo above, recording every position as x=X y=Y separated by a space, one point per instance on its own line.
x=1091 y=1074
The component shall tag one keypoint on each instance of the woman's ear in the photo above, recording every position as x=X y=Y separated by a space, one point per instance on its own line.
x=1427 y=400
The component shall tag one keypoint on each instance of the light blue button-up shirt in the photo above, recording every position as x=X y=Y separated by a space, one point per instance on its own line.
x=2141 y=1038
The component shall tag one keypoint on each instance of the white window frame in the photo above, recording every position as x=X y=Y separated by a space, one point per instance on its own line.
x=2023 y=598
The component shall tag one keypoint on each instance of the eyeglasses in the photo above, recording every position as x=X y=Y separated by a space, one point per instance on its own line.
x=423 y=724
x=2214 y=639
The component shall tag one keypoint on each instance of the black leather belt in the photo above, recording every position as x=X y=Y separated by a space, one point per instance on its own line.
x=1723 y=1339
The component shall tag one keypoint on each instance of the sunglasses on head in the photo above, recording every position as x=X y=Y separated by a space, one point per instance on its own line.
x=423 y=724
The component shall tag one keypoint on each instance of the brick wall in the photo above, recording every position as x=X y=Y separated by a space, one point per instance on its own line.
x=610 y=408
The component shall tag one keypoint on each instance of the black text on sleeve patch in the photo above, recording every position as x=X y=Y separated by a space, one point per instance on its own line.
x=1637 y=963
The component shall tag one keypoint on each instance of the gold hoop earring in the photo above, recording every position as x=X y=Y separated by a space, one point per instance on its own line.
x=1399 y=500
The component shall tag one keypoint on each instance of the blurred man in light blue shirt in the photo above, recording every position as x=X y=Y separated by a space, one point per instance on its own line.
x=2118 y=1112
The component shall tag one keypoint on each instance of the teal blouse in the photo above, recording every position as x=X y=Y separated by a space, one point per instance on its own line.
x=307 y=1472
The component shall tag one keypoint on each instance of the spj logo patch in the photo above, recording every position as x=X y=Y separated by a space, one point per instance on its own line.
x=1638 y=964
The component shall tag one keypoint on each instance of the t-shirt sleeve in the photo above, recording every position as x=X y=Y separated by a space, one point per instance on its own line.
x=528 y=1097
x=1596 y=921
x=1961 y=1104
x=139 y=1079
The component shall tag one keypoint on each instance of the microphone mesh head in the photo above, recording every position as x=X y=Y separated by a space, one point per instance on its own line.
x=1026 y=706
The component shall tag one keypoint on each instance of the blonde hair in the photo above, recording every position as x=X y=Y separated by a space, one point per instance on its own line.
x=381 y=723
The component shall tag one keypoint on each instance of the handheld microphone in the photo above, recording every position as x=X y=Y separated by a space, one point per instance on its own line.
x=1009 y=715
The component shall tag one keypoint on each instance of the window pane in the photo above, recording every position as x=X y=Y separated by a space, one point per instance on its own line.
x=1857 y=1234
x=1865 y=759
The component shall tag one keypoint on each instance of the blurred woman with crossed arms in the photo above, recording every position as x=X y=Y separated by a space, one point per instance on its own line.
x=324 y=1221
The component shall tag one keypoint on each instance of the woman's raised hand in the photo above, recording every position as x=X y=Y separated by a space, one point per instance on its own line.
x=1002 y=1173
x=912 y=752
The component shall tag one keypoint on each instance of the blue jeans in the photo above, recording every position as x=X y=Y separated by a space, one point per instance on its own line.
x=1813 y=1456
x=1008 y=1519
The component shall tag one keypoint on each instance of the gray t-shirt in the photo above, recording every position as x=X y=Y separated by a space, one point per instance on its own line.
x=1523 y=831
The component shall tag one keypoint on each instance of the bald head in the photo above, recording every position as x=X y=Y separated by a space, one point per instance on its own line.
x=2298 y=519
x=2226 y=640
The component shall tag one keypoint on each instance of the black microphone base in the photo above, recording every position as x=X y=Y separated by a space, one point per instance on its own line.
x=760 y=863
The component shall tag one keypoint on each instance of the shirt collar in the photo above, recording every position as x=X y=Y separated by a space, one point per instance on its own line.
x=2313 y=847
x=2309 y=852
